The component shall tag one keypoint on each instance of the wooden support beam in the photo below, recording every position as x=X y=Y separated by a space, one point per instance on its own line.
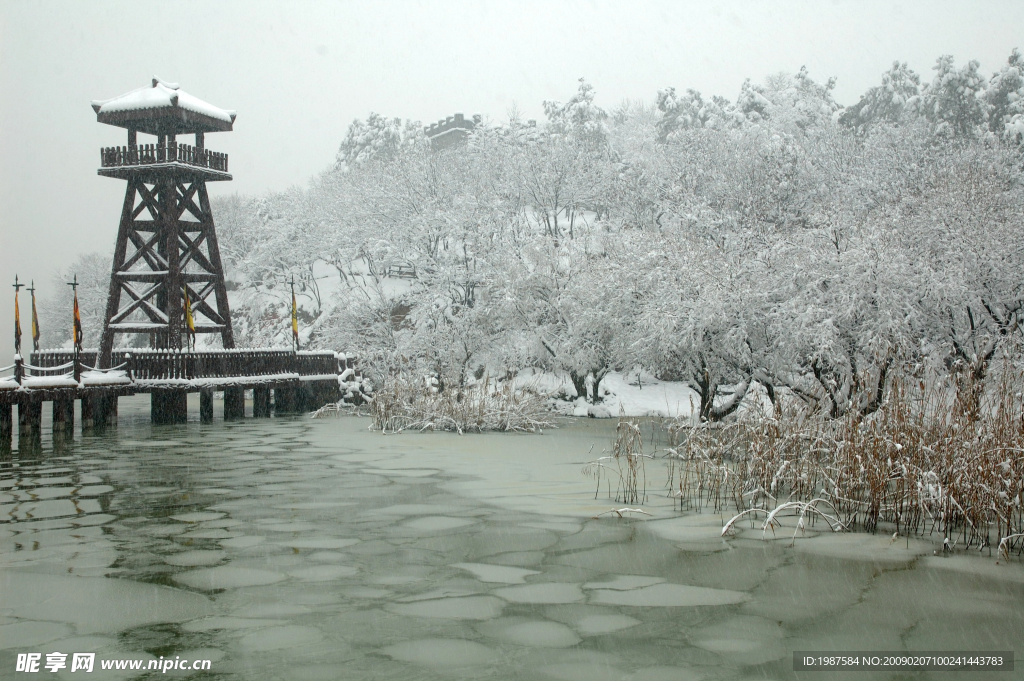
x=206 y=405
x=94 y=410
x=168 y=407
x=284 y=399
x=64 y=414
x=111 y=410
x=261 y=401
x=234 y=403
x=87 y=412
x=325 y=392
x=30 y=417
x=6 y=426
x=114 y=291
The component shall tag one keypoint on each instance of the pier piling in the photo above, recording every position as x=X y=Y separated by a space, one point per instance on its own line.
x=206 y=405
x=234 y=403
x=284 y=399
x=30 y=417
x=6 y=425
x=261 y=401
x=169 y=406
x=63 y=414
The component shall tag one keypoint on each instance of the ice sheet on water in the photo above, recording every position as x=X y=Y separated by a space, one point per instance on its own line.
x=668 y=595
x=519 y=558
x=442 y=592
x=195 y=558
x=278 y=609
x=403 y=472
x=291 y=526
x=328 y=557
x=548 y=592
x=210 y=534
x=666 y=674
x=744 y=638
x=1010 y=572
x=437 y=523
x=313 y=505
x=27 y=634
x=366 y=592
x=530 y=633
x=96 y=604
x=625 y=583
x=597 y=625
x=441 y=652
x=567 y=526
x=198 y=516
x=278 y=638
x=93 y=519
x=214 y=623
x=242 y=542
x=420 y=509
x=496 y=573
x=861 y=546
x=320 y=543
x=583 y=671
x=464 y=608
x=323 y=573
x=226 y=578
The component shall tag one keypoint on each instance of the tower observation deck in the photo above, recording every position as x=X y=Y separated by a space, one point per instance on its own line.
x=166 y=245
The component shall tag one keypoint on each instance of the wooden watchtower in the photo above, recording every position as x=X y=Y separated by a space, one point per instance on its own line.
x=166 y=242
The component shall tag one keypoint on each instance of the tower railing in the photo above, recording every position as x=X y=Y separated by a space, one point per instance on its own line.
x=169 y=152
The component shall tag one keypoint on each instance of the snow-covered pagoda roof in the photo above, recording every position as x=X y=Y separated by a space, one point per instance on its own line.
x=162 y=109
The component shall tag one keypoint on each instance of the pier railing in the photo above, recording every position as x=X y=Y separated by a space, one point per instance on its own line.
x=169 y=152
x=145 y=364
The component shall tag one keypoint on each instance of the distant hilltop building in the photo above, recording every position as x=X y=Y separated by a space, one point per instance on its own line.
x=451 y=131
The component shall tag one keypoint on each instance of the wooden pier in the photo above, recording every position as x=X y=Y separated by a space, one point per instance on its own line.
x=283 y=382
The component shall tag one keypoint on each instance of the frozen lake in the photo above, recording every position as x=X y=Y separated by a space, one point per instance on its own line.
x=313 y=549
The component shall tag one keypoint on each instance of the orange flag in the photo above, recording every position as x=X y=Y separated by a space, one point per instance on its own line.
x=17 y=325
x=77 y=331
x=190 y=323
x=35 y=321
x=295 y=320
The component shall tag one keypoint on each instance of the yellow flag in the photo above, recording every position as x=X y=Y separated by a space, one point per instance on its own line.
x=190 y=323
x=295 y=321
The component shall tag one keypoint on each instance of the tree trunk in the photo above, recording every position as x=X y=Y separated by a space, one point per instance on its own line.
x=598 y=375
x=579 y=382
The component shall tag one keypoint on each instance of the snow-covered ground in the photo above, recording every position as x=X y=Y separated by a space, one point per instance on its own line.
x=629 y=394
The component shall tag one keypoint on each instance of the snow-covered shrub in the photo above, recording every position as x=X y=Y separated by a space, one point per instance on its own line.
x=406 y=402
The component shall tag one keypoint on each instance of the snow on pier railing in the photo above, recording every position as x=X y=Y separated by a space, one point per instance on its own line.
x=147 y=364
x=170 y=152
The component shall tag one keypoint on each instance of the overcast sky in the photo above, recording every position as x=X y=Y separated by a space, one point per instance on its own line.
x=298 y=73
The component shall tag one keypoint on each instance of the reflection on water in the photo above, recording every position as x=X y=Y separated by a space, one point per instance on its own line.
x=298 y=549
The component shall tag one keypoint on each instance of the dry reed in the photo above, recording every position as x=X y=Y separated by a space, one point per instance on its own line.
x=628 y=457
x=922 y=463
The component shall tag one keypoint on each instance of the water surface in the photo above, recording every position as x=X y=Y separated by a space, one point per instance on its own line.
x=299 y=549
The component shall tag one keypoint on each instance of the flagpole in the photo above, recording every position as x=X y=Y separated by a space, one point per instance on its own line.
x=295 y=319
x=17 y=317
x=76 y=329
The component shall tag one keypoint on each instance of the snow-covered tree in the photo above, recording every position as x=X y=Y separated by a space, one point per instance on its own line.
x=377 y=138
x=889 y=102
x=955 y=99
x=56 y=305
x=1005 y=99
